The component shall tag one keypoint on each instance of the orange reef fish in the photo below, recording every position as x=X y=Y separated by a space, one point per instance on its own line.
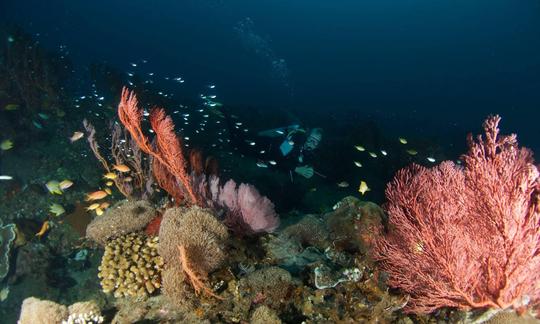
x=96 y=195
x=44 y=229
x=92 y=207
x=121 y=168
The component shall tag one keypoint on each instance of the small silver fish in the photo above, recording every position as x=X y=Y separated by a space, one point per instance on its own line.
x=262 y=165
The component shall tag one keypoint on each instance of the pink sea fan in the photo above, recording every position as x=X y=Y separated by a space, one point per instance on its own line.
x=257 y=211
x=228 y=196
x=466 y=237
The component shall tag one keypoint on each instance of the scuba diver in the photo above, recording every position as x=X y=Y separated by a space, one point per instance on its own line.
x=290 y=149
x=296 y=151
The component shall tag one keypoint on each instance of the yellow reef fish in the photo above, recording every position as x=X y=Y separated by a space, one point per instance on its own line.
x=11 y=107
x=108 y=191
x=54 y=187
x=43 y=229
x=99 y=211
x=412 y=152
x=104 y=205
x=76 y=136
x=360 y=148
x=363 y=188
x=96 y=195
x=403 y=140
x=121 y=168
x=6 y=145
x=109 y=183
x=56 y=209
x=128 y=179
x=110 y=175
x=65 y=184
x=92 y=207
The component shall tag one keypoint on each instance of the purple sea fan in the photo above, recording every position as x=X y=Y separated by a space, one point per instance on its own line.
x=257 y=211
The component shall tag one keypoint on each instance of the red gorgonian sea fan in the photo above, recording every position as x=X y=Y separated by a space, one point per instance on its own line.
x=466 y=236
x=169 y=162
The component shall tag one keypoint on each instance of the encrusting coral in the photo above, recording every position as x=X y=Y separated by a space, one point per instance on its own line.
x=125 y=217
x=131 y=266
x=264 y=315
x=268 y=286
x=192 y=242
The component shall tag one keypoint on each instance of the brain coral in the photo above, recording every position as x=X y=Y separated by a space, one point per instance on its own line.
x=131 y=266
x=125 y=217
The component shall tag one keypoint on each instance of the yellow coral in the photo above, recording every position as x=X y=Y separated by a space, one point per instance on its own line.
x=131 y=266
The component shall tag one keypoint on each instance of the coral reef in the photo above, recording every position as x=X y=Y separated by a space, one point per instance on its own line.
x=192 y=241
x=7 y=236
x=32 y=260
x=466 y=236
x=123 y=218
x=131 y=266
x=309 y=231
x=37 y=311
x=353 y=223
x=264 y=315
x=271 y=286
x=288 y=252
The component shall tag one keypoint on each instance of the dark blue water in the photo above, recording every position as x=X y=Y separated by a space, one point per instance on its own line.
x=431 y=67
